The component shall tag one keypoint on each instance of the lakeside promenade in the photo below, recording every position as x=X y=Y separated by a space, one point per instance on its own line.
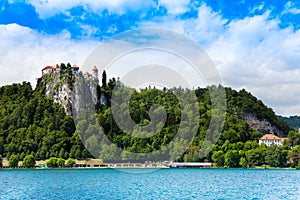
x=97 y=163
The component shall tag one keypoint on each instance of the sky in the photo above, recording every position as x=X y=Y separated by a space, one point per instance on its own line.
x=254 y=44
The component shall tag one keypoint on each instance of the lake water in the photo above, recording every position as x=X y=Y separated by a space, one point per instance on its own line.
x=158 y=184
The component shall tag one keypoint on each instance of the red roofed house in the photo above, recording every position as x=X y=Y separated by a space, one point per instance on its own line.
x=269 y=139
x=50 y=68
x=47 y=69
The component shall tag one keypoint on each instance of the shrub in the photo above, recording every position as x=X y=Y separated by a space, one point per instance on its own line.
x=29 y=161
x=13 y=161
x=71 y=162
x=52 y=162
x=60 y=162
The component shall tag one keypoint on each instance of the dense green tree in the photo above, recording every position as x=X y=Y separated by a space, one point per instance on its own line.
x=69 y=66
x=293 y=157
x=250 y=145
x=232 y=158
x=104 y=77
x=191 y=157
x=13 y=161
x=70 y=162
x=52 y=162
x=255 y=157
x=85 y=154
x=218 y=158
x=274 y=156
x=294 y=138
x=62 y=153
x=243 y=162
x=29 y=161
x=30 y=122
x=60 y=162
x=226 y=146
x=63 y=66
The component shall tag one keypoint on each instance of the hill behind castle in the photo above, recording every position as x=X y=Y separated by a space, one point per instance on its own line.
x=40 y=121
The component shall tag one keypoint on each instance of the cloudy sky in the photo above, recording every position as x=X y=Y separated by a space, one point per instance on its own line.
x=255 y=44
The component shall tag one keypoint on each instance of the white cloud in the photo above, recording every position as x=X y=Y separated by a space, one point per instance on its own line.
x=205 y=29
x=252 y=53
x=23 y=52
x=294 y=10
x=48 y=8
x=175 y=7
x=289 y=8
x=88 y=31
x=257 y=8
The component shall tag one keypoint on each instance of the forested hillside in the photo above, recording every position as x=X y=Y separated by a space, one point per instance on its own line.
x=293 y=121
x=237 y=145
x=31 y=123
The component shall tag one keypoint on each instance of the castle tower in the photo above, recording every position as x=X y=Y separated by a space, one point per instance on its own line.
x=95 y=72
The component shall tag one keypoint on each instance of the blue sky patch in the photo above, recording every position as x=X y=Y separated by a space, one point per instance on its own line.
x=105 y=23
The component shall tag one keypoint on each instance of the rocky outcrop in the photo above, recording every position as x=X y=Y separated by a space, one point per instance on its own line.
x=85 y=94
x=59 y=88
x=71 y=89
x=262 y=125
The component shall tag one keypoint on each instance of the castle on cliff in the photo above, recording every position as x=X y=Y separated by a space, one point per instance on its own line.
x=60 y=86
x=75 y=70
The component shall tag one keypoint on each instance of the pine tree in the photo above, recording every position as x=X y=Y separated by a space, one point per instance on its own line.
x=104 y=79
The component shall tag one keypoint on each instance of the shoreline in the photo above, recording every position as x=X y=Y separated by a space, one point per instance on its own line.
x=142 y=168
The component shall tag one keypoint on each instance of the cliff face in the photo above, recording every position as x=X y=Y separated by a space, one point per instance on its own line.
x=70 y=88
x=262 y=125
x=260 y=117
x=59 y=89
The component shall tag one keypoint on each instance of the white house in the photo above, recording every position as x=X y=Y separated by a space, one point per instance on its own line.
x=269 y=139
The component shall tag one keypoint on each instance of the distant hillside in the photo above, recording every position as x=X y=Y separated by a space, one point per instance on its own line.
x=293 y=121
x=39 y=121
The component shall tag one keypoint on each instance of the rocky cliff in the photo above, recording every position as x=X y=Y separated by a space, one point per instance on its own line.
x=71 y=88
x=260 y=117
x=262 y=125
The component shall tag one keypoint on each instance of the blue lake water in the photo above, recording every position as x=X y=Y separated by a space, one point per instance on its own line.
x=158 y=184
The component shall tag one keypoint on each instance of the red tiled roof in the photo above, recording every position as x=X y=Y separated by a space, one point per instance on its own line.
x=58 y=67
x=47 y=68
x=270 y=137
